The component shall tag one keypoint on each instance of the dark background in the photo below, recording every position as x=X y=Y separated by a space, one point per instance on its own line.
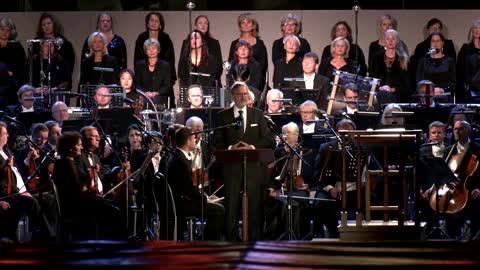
x=74 y=5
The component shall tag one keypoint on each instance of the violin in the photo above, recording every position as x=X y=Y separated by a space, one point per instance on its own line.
x=32 y=168
x=298 y=180
x=197 y=173
x=120 y=194
x=8 y=174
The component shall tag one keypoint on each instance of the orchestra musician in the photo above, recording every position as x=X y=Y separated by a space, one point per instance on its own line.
x=129 y=85
x=60 y=112
x=274 y=106
x=308 y=111
x=328 y=177
x=102 y=98
x=462 y=158
x=187 y=197
x=27 y=101
x=15 y=200
x=313 y=80
x=195 y=96
x=77 y=199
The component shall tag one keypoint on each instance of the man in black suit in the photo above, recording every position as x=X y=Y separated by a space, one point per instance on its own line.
x=26 y=99
x=458 y=157
x=251 y=133
x=313 y=80
x=188 y=199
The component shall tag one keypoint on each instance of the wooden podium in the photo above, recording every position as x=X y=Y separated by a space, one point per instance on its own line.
x=243 y=156
x=384 y=229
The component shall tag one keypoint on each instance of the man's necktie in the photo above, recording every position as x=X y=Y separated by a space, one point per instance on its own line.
x=240 y=119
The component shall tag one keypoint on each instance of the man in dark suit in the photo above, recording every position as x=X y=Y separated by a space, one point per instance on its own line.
x=26 y=99
x=458 y=157
x=15 y=200
x=188 y=199
x=313 y=80
x=251 y=133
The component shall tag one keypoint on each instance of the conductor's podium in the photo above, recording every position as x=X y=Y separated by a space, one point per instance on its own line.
x=406 y=143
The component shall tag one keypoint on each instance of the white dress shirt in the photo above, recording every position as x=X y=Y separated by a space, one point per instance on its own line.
x=309 y=80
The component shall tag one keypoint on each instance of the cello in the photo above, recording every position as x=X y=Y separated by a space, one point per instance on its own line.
x=451 y=200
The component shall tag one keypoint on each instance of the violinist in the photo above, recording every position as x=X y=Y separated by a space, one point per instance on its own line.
x=88 y=162
x=76 y=196
x=187 y=198
x=15 y=200
x=200 y=154
x=31 y=155
x=462 y=158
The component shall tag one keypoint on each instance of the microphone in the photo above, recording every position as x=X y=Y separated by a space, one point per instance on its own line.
x=200 y=74
x=103 y=69
x=113 y=95
x=12 y=119
x=429 y=144
x=227 y=66
x=293 y=79
x=432 y=51
x=32 y=98
x=344 y=114
x=270 y=122
x=356 y=6
x=138 y=120
x=311 y=121
x=66 y=93
x=58 y=41
x=191 y=5
x=282 y=100
x=128 y=100
x=32 y=40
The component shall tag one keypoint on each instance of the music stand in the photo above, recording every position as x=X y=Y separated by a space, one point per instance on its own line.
x=243 y=156
x=281 y=119
x=202 y=113
x=89 y=90
x=207 y=91
x=30 y=118
x=115 y=121
x=300 y=95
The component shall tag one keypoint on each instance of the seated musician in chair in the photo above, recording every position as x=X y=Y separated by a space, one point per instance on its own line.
x=188 y=200
x=462 y=158
x=195 y=96
x=328 y=174
x=102 y=97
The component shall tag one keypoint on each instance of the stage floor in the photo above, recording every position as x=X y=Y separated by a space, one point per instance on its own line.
x=318 y=254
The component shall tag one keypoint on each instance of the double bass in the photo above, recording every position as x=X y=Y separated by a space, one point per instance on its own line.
x=452 y=200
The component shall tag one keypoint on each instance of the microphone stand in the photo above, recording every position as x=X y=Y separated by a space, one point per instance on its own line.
x=356 y=9
x=340 y=141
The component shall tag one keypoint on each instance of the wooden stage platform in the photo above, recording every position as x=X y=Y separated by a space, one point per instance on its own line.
x=319 y=254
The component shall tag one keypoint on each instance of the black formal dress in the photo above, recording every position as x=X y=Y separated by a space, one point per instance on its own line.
x=167 y=52
x=395 y=77
x=320 y=83
x=65 y=51
x=157 y=81
x=259 y=54
x=257 y=134
x=278 y=49
x=78 y=204
x=60 y=73
x=188 y=199
x=375 y=48
x=209 y=67
x=213 y=50
x=283 y=70
x=326 y=68
x=90 y=76
x=116 y=48
x=256 y=77
x=440 y=71
x=13 y=56
x=352 y=55
x=468 y=67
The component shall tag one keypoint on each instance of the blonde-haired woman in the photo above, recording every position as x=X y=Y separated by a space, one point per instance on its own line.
x=248 y=27
x=98 y=67
x=391 y=67
x=339 y=49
